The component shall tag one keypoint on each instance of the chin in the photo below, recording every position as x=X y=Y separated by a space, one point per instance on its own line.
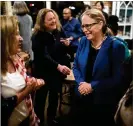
x=52 y=28
x=19 y=50
x=89 y=37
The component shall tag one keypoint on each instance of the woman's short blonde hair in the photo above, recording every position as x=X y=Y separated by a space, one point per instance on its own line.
x=8 y=26
x=98 y=16
x=39 y=25
x=20 y=8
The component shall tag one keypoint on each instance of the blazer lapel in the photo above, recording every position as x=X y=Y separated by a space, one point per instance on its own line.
x=85 y=56
x=86 y=53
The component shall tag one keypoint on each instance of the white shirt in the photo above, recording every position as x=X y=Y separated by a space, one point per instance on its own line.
x=10 y=85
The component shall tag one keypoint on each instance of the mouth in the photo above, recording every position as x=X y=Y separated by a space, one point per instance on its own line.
x=53 y=24
x=87 y=34
x=20 y=45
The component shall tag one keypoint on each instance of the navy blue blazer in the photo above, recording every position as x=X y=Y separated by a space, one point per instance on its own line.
x=107 y=73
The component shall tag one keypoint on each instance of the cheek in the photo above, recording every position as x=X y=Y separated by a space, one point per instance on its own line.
x=96 y=30
x=47 y=25
x=14 y=50
x=17 y=41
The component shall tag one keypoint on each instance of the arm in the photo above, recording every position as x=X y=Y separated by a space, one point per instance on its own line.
x=114 y=80
x=21 y=95
x=39 y=47
x=76 y=70
x=48 y=59
x=32 y=83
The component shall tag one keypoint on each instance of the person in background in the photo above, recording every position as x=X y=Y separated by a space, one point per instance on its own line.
x=16 y=86
x=72 y=29
x=50 y=62
x=113 y=25
x=86 y=7
x=21 y=10
x=113 y=31
x=98 y=73
x=100 y=6
x=124 y=113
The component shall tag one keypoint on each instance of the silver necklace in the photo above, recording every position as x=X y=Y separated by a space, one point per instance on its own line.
x=99 y=46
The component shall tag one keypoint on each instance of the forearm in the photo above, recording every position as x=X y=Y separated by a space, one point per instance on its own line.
x=21 y=95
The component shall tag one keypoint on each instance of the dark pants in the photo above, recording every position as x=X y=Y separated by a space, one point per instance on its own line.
x=40 y=101
x=85 y=113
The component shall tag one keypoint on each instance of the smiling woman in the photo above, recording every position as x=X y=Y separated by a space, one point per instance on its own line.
x=50 y=61
x=94 y=25
x=50 y=22
x=98 y=72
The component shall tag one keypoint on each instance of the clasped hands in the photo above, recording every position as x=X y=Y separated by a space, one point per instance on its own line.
x=85 y=88
x=34 y=83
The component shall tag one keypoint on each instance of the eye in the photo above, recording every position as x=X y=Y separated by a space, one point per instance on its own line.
x=87 y=25
x=49 y=19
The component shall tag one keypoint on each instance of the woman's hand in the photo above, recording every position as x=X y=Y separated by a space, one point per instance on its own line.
x=63 y=69
x=66 y=42
x=36 y=82
x=40 y=83
x=85 y=88
x=31 y=82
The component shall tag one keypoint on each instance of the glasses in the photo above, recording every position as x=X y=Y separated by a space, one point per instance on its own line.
x=88 y=26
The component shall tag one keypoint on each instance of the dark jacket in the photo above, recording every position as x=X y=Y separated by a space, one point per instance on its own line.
x=48 y=53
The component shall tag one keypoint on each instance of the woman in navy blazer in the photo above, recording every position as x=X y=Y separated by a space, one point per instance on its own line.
x=98 y=72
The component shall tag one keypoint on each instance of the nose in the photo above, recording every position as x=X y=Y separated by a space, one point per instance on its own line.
x=20 y=38
x=54 y=20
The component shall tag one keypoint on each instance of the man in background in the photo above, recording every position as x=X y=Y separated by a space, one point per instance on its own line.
x=72 y=29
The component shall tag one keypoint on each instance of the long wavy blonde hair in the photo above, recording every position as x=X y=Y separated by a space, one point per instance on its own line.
x=39 y=25
x=8 y=26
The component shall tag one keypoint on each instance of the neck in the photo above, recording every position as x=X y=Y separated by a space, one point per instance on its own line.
x=98 y=41
x=14 y=57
